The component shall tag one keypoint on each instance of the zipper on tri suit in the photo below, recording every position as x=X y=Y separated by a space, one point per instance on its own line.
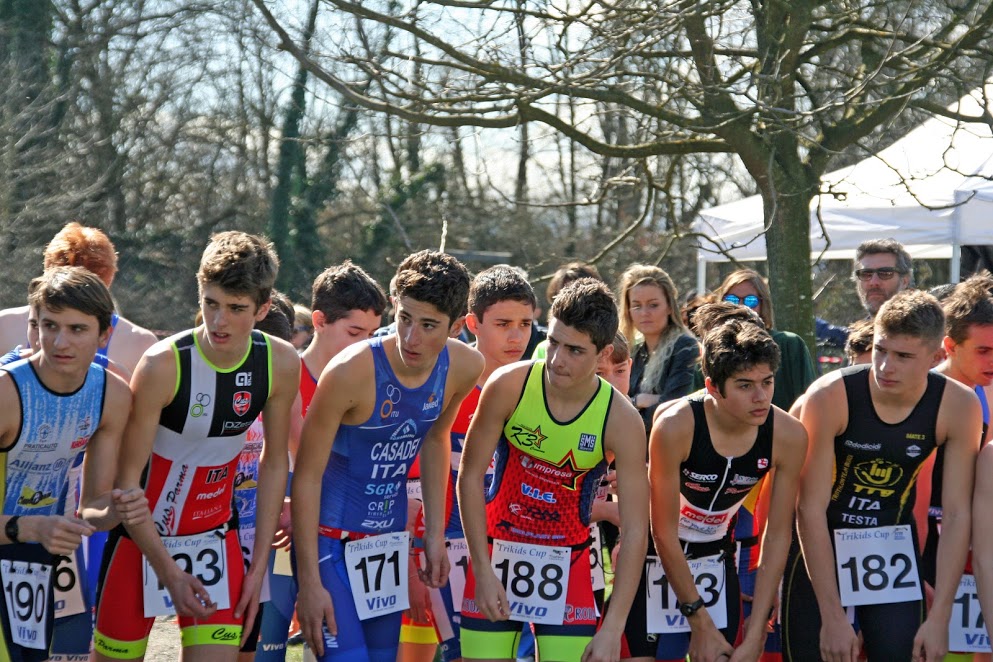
x=717 y=493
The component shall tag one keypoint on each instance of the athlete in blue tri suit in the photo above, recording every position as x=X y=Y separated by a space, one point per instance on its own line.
x=375 y=404
x=70 y=416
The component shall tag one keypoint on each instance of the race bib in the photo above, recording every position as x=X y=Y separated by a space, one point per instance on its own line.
x=966 y=628
x=246 y=537
x=596 y=559
x=458 y=558
x=281 y=564
x=377 y=572
x=414 y=490
x=663 y=608
x=25 y=588
x=68 y=588
x=876 y=566
x=535 y=578
x=202 y=555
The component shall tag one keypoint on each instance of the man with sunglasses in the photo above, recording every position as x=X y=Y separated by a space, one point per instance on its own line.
x=882 y=268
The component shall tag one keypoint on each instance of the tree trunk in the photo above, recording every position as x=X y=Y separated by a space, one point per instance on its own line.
x=788 y=247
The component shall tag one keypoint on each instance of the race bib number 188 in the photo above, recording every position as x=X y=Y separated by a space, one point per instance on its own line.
x=876 y=566
x=535 y=578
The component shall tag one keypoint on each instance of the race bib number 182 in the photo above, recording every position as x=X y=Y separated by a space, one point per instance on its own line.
x=535 y=578
x=876 y=566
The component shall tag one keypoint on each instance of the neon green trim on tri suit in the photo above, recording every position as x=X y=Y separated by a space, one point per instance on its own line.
x=553 y=440
x=117 y=649
x=248 y=350
x=179 y=370
x=203 y=635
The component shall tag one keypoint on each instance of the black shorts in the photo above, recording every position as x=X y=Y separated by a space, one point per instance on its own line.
x=31 y=553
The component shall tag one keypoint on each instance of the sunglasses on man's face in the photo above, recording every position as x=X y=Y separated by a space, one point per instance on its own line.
x=751 y=300
x=884 y=273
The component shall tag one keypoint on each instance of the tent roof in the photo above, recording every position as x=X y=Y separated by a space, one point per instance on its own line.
x=930 y=190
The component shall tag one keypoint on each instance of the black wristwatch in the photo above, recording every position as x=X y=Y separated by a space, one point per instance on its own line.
x=688 y=610
x=11 y=529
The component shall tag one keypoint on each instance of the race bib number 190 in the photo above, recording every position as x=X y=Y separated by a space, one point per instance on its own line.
x=377 y=571
x=202 y=555
x=535 y=578
x=25 y=590
x=876 y=566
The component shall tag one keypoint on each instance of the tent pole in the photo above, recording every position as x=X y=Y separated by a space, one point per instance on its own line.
x=701 y=275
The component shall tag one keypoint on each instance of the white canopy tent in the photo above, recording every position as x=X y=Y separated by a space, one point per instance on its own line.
x=932 y=190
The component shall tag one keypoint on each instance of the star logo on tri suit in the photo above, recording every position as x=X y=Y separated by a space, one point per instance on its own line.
x=525 y=437
x=242 y=402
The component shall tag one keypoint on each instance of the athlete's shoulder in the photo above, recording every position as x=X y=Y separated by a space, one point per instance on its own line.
x=137 y=336
x=827 y=388
x=284 y=355
x=464 y=359
x=958 y=400
x=787 y=429
x=13 y=327
x=118 y=390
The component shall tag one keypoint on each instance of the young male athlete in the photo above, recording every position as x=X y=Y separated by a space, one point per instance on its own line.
x=196 y=395
x=871 y=428
x=501 y=311
x=64 y=415
x=347 y=306
x=707 y=454
x=376 y=404
x=551 y=423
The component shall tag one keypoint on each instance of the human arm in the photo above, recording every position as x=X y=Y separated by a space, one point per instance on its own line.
x=960 y=423
x=820 y=418
x=465 y=366
x=496 y=404
x=982 y=532
x=153 y=385
x=624 y=438
x=274 y=466
x=668 y=447
x=343 y=387
x=99 y=503
x=789 y=452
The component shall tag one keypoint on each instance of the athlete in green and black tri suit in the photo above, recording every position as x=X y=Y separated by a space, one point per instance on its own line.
x=871 y=428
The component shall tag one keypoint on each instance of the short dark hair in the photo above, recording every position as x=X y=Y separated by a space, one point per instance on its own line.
x=343 y=288
x=569 y=273
x=621 y=351
x=241 y=264
x=588 y=305
x=278 y=322
x=912 y=313
x=713 y=314
x=968 y=304
x=904 y=264
x=499 y=283
x=72 y=287
x=435 y=278
x=859 y=339
x=736 y=346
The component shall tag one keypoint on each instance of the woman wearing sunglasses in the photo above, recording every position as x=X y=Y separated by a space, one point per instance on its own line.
x=664 y=353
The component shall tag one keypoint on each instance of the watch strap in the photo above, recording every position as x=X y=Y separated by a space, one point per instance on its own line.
x=12 y=530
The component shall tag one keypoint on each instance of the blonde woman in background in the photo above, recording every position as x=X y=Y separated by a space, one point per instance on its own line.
x=664 y=353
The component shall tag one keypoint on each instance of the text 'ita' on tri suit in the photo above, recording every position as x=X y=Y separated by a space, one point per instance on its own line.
x=39 y=471
x=363 y=543
x=870 y=520
x=190 y=488
x=537 y=518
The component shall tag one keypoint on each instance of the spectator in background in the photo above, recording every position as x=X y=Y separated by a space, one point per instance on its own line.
x=882 y=268
x=665 y=353
x=303 y=327
x=796 y=372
